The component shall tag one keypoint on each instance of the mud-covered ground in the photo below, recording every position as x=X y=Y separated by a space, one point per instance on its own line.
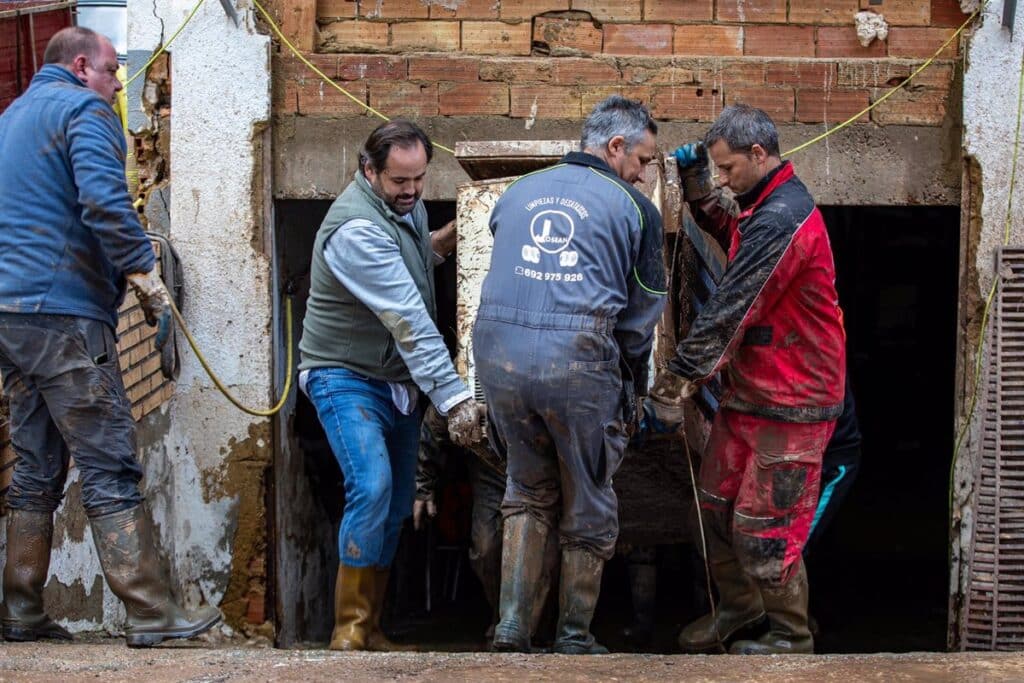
x=110 y=660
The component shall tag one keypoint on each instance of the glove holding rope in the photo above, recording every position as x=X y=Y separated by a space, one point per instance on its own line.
x=155 y=301
x=663 y=407
x=694 y=171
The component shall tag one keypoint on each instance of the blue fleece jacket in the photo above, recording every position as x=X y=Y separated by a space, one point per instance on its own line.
x=68 y=231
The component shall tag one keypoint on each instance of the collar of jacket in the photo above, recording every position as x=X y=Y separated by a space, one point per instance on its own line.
x=585 y=159
x=54 y=73
x=363 y=183
x=751 y=199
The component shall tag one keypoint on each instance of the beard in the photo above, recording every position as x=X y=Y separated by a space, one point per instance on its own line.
x=401 y=204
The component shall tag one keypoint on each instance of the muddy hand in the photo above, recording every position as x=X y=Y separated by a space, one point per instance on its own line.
x=464 y=424
x=442 y=240
x=694 y=170
x=419 y=509
x=664 y=405
x=155 y=301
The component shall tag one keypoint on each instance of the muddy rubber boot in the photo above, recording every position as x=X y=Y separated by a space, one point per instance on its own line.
x=29 y=537
x=643 y=580
x=124 y=542
x=376 y=641
x=579 y=588
x=353 y=607
x=522 y=557
x=739 y=606
x=786 y=606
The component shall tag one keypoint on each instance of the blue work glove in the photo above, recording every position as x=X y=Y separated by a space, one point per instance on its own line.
x=694 y=170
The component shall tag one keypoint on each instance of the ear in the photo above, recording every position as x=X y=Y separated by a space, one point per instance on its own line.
x=617 y=145
x=78 y=64
x=758 y=153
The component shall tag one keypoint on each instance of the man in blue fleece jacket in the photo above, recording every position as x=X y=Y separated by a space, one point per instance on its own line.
x=70 y=242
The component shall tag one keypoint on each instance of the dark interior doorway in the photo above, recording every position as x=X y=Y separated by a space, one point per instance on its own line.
x=879 y=576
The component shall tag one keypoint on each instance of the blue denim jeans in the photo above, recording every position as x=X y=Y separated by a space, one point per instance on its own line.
x=376 y=447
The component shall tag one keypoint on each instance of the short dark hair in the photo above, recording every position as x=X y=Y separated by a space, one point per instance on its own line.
x=395 y=133
x=742 y=127
x=68 y=43
x=617 y=115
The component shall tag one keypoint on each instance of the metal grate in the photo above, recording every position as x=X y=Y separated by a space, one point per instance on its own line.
x=995 y=607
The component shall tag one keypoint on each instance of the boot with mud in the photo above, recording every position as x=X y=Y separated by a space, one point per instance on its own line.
x=124 y=542
x=29 y=537
x=739 y=607
x=522 y=559
x=579 y=588
x=376 y=640
x=786 y=606
x=353 y=607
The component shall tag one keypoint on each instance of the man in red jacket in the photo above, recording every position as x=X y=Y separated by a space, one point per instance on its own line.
x=774 y=329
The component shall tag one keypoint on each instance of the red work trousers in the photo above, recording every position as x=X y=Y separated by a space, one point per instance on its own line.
x=765 y=475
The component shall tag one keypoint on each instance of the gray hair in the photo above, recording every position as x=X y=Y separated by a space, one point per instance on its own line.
x=742 y=127
x=617 y=115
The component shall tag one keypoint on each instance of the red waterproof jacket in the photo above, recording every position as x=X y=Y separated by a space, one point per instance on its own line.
x=774 y=324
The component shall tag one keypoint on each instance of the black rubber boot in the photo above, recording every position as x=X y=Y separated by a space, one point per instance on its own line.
x=579 y=589
x=124 y=542
x=643 y=581
x=786 y=606
x=522 y=556
x=29 y=537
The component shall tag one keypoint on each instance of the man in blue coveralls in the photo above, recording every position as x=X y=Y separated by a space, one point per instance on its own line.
x=562 y=343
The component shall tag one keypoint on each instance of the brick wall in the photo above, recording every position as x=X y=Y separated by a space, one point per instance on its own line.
x=17 y=46
x=140 y=368
x=798 y=59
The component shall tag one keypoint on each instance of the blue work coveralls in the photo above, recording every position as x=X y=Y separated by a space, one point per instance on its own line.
x=563 y=338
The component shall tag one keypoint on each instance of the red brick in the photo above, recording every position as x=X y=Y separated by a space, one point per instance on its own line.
x=815 y=105
x=656 y=71
x=921 y=42
x=544 y=102
x=590 y=97
x=813 y=74
x=528 y=9
x=901 y=12
x=473 y=99
x=317 y=98
x=583 y=71
x=393 y=9
x=752 y=11
x=354 y=36
x=693 y=103
x=885 y=73
x=427 y=36
x=736 y=72
x=776 y=102
x=496 y=38
x=467 y=9
x=444 y=68
x=841 y=41
x=336 y=9
x=298 y=22
x=638 y=39
x=403 y=99
x=924 y=107
x=678 y=10
x=947 y=13
x=611 y=10
x=358 y=67
x=563 y=34
x=520 y=70
x=779 y=41
x=713 y=41
x=823 y=11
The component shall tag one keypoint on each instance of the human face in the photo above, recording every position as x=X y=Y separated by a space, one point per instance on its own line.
x=629 y=163
x=400 y=183
x=741 y=171
x=99 y=71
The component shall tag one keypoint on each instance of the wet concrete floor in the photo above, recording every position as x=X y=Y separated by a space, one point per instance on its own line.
x=110 y=660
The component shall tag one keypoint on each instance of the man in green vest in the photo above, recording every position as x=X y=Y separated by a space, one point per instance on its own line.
x=370 y=349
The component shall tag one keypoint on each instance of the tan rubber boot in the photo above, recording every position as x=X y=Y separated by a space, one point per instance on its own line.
x=579 y=588
x=353 y=607
x=29 y=537
x=124 y=542
x=739 y=606
x=376 y=640
x=786 y=606
x=522 y=558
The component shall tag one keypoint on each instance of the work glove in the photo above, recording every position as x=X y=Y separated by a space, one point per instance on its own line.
x=420 y=508
x=694 y=171
x=155 y=301
x=465 y=423
x=663 y=407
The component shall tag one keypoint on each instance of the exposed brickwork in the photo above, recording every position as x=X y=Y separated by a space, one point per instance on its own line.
x=799 y=59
